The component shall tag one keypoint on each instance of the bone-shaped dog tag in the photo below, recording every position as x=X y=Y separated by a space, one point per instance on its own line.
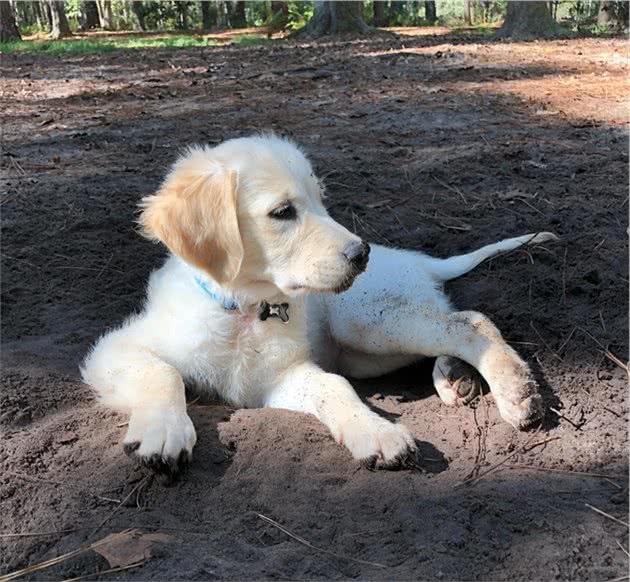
x=280 y=310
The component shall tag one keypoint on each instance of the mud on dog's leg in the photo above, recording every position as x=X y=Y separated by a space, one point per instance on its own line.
x=467 y=335
x=369 y=437
x=476 y=340
x=132 y=379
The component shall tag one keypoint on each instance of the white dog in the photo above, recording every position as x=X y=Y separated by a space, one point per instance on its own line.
x=256 y=303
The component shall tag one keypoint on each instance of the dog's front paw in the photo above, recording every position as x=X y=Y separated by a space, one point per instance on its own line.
x=161 y=439
x=376 y=441
x=524 y=411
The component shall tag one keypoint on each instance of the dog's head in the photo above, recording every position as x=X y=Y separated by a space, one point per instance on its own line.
x=249 y=213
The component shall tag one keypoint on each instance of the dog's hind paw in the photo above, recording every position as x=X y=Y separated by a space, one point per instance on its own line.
x=456 y=381
x=524 y=413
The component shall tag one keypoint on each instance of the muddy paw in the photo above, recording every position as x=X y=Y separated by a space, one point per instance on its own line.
x=162 y=440
x=522 y=414
x=376 y=442
x=456 y=382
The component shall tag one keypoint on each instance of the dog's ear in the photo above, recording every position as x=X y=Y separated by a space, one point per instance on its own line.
x=194 y=214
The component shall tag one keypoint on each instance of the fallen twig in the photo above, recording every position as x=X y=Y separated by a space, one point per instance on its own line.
x=136 y=488
x=543 y=442
x=310 y=545
x=531 y=324
x=624 y=523
x=53 y=561
x=502 y=462
x=566 y=341
x=77 y=529
x=482 y=436
x=93 y=575
x=563 y=417
x=612 y=357
x=623 y=549
x=566 y=472
x=451 y=188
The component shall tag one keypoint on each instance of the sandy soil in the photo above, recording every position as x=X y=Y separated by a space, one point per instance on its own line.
x=434 y=143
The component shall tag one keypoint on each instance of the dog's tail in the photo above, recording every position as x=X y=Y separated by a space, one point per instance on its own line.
x=453 y=267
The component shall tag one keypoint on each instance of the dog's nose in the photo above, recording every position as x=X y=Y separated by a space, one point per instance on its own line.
x=357 y=253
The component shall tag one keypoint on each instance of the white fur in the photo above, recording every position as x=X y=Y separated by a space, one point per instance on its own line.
x=393 y=314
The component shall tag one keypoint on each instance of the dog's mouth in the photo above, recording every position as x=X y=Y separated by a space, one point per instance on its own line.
x=344 y=285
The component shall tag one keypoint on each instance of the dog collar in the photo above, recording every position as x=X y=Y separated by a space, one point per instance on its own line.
x=225 y=302
x=264 y=312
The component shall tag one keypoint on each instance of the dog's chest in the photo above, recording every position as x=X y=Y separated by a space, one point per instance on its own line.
x=240 y=356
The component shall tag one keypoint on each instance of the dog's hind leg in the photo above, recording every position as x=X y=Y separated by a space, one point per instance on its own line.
x=129 y=377
x=467 y=335
x=360 y=365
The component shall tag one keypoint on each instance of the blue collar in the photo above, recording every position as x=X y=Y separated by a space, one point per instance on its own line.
x=225 y=302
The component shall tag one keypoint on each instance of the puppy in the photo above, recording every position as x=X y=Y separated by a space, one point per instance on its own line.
x=258 y=304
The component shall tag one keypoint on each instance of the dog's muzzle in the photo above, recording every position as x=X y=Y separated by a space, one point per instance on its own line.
x=358 y=255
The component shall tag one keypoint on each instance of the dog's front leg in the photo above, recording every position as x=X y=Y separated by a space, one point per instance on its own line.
x=130 y=378
x=369 y=437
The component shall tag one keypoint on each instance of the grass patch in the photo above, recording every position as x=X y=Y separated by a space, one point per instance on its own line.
x=94 y=45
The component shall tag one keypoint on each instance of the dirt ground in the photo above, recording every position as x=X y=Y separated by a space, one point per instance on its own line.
x=435 y=143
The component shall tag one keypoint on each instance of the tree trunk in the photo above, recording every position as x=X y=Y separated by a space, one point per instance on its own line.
x=527 y=20
x=221 y=14
x=22 y=14
x=208 y=14
x=239 y=19
x=182 y=15
x=228 y=8
x=137 y=16
x=60 y=27
x=39 y=16
x=279 y=14
x=105 y=14
x=396 y=11
x=430 y=13
x=334 y=18
x=47 y=14
x=606 y=15
x=381 y=16
x=88 y=15
x=467 y=12
x=8 y=29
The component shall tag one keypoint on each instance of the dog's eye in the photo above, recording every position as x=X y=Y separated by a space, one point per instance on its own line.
x=285 y=212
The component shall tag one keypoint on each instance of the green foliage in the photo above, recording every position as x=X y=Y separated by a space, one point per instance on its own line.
x=257 y=13
x=581 y=17
x=451 y=12
x=29 y=29
x=299 y=14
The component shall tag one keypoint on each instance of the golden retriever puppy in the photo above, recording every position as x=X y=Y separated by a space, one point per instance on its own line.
x=256 y=303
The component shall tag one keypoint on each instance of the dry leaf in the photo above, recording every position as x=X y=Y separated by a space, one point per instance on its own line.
x=126 y=548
